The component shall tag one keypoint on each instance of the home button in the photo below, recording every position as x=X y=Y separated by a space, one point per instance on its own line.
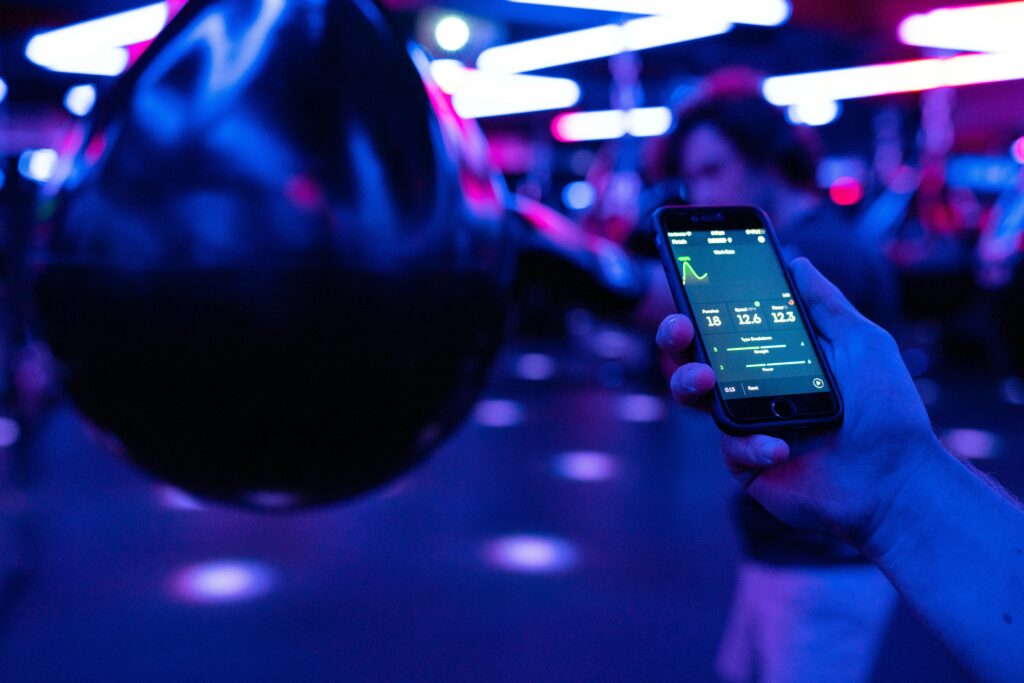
x=783 y=407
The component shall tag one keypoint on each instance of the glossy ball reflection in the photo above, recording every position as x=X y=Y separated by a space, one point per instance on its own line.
x=262 y=273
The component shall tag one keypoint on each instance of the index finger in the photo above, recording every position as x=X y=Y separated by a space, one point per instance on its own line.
x=675 y=337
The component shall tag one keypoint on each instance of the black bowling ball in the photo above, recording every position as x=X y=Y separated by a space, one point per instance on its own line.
x=261 y=273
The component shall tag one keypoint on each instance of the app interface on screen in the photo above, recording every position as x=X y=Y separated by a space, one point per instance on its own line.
x=751 y=326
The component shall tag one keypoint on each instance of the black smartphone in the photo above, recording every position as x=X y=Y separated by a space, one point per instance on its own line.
x=726 y=272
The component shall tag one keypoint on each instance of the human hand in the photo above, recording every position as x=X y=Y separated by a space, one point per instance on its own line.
x=842 y=481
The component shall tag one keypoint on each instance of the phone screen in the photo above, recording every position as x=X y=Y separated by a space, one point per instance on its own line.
x=754 y=334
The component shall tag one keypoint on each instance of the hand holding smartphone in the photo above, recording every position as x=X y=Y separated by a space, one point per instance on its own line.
x=726 y=272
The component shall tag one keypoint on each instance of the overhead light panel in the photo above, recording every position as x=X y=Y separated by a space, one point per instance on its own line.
x=110 y=62
x=96 y=46
x=611 y=124
x=597 y=42
x=896 y=77
x=757 y=12
x=478 y=94
x=977 y=28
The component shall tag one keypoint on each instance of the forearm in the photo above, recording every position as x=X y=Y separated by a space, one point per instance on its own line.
x=954 y=548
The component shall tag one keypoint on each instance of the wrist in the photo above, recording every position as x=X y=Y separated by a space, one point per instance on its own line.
x=915 y=505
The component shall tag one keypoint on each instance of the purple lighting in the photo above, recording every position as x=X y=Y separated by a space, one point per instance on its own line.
x=9 y=432
x=221 y=581
x=641 y=408
x=173 y=498
x=498 y=413
x=535 y=366
x=530 y=554
x=274 y=500
x=589 y=466
x=975 y=444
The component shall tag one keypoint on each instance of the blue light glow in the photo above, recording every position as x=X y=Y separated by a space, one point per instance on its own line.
x=975 y=444
x=588 y=466
x=579 y=195
x=38 y=164
x=531 y=554
x=80 y=99
x=221 y=581
x=173 y=498
x=641 y=408
x=535 y=366
x=498 y=413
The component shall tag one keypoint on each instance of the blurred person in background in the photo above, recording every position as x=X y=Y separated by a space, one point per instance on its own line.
x=807 y=607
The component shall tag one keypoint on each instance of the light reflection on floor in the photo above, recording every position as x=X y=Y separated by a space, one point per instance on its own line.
x=570 y=530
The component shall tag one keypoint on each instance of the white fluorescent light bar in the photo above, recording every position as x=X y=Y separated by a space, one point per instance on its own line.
x=978 y=28
x=611 y=124
x=110 y=62
x=758 y=12
x=598 y=42
x=477 y=94
x=474 y=107
x=897 y=77
x=94 y=43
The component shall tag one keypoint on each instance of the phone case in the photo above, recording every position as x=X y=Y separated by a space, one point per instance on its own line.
x=718 y=410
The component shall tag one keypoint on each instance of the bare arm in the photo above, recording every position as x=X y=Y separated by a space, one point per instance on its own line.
x=953 y=545
x=950 y=541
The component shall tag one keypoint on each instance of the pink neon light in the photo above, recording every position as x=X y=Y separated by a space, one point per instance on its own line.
x=135 y=51
x=1017 y=150
x=846 y=191
x=892 y=78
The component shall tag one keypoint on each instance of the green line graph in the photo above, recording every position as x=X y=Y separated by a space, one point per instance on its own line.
x=687 y=268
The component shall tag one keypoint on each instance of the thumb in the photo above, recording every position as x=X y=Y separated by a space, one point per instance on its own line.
x=831 y=312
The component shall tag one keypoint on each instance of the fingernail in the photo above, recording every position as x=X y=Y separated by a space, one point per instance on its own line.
x=670 y=326
x=690 y=382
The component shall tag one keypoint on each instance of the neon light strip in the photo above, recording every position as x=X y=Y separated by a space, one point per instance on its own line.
x=476 y=93
x=611 y=124
x=757 y=12
x=595 y=43
x=94 y=46
x=472 y=106
x=895 y=77
x=979 y=28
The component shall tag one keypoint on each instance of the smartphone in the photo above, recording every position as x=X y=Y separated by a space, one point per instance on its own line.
x=726 y=272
